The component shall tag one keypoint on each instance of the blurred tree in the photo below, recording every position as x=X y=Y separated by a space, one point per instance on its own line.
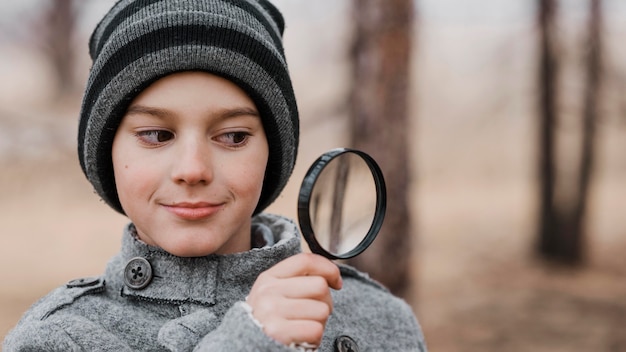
x=381 y=51
x=562 y=223
x=591 y=114
x=57 y=26
x=548 y=73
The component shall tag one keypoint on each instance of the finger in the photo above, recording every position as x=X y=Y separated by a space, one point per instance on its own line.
x=295 y=331
x=306 y=309
x=308 y=264
x=292 y=309
x=280 y=297
x=295 y=286
x=314 y=287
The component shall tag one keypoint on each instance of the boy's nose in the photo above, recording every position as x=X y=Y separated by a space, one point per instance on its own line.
x=192 y=164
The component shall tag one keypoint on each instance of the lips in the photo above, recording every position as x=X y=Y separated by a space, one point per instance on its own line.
x=193 y=211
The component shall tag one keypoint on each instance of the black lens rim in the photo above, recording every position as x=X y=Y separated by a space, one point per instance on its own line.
x=304 y=202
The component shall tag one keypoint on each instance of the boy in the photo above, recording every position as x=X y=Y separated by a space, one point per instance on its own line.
x=189 y=127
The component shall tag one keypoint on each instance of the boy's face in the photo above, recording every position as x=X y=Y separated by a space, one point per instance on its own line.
x=189 y=160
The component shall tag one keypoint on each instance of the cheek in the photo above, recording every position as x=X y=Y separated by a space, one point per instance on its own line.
x=133 y=181
x=257 y=176
x=248 y=182
x=124 y=183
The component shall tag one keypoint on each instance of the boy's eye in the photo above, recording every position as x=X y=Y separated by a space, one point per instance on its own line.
x=154 y=137
x=234 y=139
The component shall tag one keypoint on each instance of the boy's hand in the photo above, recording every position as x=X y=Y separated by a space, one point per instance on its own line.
x=292 y=299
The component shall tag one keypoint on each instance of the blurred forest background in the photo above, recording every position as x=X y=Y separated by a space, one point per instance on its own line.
x=515 y=116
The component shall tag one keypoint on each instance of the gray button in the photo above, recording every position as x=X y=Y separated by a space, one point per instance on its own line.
x=83 y=282
x=137 y=273
x=345 y=344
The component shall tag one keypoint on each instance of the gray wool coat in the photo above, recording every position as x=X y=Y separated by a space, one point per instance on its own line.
x=150 y=300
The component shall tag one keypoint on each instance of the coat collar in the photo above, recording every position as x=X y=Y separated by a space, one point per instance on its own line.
x=202 y=280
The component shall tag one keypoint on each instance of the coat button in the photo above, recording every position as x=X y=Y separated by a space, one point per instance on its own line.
x=345 y=344
x=83 y=282
x=137 y=273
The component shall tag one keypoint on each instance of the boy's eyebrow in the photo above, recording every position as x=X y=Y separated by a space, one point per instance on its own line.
x=225 y=113
x=240 y=111
x=146 y=110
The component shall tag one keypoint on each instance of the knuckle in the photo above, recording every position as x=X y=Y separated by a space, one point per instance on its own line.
x=275 y=330
x=271 y=328
x=267 y=306
x=319 y=286
x=307 y=260
x=325 y=311
x=264 y=284
x=316 y=332
x=263 y=277
x=335 y=271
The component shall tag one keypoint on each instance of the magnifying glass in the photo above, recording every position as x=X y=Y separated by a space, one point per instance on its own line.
x=342 y=202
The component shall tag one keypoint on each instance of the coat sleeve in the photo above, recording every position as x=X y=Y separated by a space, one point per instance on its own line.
x=238 y=332
x=372 y=317
x=46 y=326
x=38 y=336
x=200 y=331
x=52 y=335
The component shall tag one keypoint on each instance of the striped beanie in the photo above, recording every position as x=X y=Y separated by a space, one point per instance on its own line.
x=140 y=41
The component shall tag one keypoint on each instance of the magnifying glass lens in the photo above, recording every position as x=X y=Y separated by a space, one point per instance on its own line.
x=343 y=204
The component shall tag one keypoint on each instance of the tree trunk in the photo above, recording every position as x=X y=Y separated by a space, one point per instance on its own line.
x=562 y=225
x=59 y=24
x=548 y=74
x=574 y=252
x=379 y=110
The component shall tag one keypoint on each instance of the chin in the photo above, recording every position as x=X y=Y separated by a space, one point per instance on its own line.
x=194 y=249
x=191 y=250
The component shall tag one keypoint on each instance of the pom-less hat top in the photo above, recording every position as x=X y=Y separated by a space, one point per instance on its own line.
x=140 y=41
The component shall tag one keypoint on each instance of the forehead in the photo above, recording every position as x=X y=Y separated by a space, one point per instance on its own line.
x=196 y=85
x=192 y=92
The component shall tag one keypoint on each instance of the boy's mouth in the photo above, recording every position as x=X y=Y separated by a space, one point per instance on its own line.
x=193 y=210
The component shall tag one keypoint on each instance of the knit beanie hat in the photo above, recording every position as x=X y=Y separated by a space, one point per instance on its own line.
x=140 y=41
